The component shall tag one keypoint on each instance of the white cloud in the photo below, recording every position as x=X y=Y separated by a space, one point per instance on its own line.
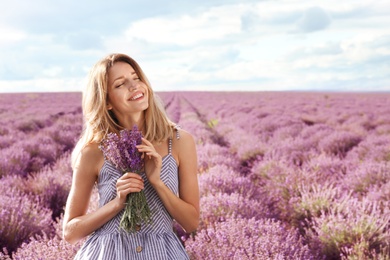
x=186 y=29
x=208 y=45
x=52 y=72
x=362 y=48
x=9 y=35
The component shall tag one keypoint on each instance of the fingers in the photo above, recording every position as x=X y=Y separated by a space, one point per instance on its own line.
x=144 y=140
x=133 y=175
x=129 y=183
x=147 y=149
x=146 y=145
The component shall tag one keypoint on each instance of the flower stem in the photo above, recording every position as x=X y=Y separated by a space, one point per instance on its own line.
x=136 y=211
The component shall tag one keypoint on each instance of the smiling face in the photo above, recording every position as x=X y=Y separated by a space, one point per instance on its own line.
x=127 y=94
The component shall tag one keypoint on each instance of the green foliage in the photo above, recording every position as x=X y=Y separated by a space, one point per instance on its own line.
x=212 y=123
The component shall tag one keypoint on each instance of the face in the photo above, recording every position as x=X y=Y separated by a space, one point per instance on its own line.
x=127 y=94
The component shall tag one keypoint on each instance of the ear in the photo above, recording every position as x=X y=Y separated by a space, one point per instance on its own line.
x=109 y=107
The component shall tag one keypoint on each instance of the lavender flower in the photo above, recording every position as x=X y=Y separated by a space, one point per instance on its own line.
x=122 y=152
x=213 y=182
x=21 y=217
x=351 y=225
x=241 y=238
x=44 y=247
x=13 y=162
x=217 y=208
x=318 y=164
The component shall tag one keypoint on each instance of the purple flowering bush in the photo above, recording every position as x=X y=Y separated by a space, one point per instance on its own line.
x=220 y=155
x=379 y=193
x=324 y=168
x=172 y=105
x=241 y=238
x=217 y=208
x=311 y=201
x=277 y=183
x=373 y=148
x=48 y=248
x=21 y=217
x=43 y=150
x=213 y=182
x=13 y=161
x=65 y=131
x=281 y=175
x=351 y=224
x=295 y=151
x=366 y=175
x=339 y=143
x=53 y=248
x=9 y=136
x=51 y=185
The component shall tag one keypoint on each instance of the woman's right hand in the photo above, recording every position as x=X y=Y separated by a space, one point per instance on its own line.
x=128 y=183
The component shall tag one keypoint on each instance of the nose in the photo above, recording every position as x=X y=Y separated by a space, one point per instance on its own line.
x=133 y=86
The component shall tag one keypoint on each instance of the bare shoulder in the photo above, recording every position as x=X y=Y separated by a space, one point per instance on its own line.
x=92 y=151
x=185 y=138
x=184 y=146
x=91 y=159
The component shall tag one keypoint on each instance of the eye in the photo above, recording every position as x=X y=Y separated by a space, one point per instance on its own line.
x=118 y=86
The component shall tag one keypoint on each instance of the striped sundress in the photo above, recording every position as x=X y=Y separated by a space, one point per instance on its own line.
x=156 y=240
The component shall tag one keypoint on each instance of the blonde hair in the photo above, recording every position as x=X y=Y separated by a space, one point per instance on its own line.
x=99 y=121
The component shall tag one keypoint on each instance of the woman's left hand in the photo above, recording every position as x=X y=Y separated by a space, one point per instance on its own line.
x=153 y=161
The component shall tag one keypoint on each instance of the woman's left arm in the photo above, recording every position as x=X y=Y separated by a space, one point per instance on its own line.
x=185 y=208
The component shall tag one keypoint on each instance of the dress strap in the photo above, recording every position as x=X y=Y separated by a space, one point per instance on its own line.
x=169 y=145
x=177 y=127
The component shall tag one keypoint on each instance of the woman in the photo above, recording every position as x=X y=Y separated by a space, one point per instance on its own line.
x=118 y=96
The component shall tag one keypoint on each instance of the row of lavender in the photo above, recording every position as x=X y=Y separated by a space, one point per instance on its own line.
x=316 y=166
x=232 y=224
x=296 y=177
x=38 y=132
x=36 y=129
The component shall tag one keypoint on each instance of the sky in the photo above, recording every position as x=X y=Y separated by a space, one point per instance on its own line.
x=203 y=45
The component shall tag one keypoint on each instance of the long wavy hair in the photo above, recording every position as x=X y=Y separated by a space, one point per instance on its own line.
x=99 y=121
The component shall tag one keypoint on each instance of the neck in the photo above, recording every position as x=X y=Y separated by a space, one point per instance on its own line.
x=133 y=119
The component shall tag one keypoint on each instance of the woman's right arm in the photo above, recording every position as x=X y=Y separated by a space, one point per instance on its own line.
x=77 y=223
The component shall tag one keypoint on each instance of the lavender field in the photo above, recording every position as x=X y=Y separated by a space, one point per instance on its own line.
x=281 y=175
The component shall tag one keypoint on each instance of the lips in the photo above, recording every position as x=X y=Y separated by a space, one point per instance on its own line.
x=136 y=96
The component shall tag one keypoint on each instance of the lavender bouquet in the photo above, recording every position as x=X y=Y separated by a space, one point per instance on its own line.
x=122 y=152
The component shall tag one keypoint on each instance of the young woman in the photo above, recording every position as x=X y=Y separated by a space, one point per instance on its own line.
x=118 y=96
